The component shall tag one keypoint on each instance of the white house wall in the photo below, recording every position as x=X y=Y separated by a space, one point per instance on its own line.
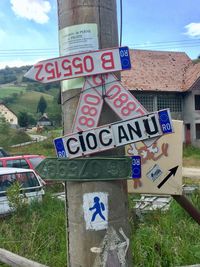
x=9 y=116
x=190 y=115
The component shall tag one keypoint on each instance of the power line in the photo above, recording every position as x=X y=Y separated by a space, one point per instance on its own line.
x=160 y=43
x=54 y=52
x=121 y=24
x=30 y=49
x=166 y=45
x=179 y=41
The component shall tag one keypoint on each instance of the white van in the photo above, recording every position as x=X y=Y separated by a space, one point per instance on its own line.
x=31 y=186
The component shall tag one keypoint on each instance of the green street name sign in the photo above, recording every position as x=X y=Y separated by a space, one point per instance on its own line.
x=85 y=169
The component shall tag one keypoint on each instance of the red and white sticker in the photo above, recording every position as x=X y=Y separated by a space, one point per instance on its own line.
x=120 y=100
x=88 y=110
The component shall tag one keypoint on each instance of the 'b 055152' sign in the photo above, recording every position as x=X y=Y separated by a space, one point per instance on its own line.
x=116 y=134
x=79 y=65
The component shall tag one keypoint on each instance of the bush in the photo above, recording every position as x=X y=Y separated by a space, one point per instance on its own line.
x=15 y=199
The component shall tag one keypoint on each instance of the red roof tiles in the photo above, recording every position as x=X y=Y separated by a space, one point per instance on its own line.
x=160 y=71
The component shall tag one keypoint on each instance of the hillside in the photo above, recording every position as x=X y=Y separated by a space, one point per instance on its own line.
x=28 y=102
x=15 y=74
x=22 y=95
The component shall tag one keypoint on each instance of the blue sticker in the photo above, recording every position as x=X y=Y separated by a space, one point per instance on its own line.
x=60 y=149
x=165 y=121
x=125 y=58
x=136 y=167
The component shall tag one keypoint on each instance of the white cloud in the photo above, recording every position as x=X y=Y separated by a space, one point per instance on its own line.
x=35 y=10
x=193 y=29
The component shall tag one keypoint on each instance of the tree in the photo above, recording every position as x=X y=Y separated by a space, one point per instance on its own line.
x=4 y=126
x=23 y=119
x=42 y=105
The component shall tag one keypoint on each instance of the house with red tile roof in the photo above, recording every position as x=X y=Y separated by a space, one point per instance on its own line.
x=160 y=79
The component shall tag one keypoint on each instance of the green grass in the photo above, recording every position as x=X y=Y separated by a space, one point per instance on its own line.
x=166 y=239
x=191 y=156
x=191 y=151
x=45 y=147
x=37 y=232
x=28 y=102
x=9 y=90
x=9 y=136
x=160 y=239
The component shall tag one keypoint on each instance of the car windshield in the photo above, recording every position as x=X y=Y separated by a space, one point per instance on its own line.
x=36 y=161
x=25 y=179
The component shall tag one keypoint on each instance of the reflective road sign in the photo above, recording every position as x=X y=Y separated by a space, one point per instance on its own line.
x=79 y=65
x=116 y=134
x=85 y=169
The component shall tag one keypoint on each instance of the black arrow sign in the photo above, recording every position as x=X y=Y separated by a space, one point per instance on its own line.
x=172 y=172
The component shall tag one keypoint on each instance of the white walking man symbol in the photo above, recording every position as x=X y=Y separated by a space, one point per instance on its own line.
x=95 y=208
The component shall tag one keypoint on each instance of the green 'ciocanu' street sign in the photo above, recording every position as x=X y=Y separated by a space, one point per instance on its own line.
x=85 y=169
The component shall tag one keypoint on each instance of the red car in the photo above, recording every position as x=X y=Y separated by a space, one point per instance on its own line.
x=23 y=161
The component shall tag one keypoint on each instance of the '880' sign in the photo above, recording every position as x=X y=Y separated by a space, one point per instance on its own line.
x=88 y=110
x=120 y=100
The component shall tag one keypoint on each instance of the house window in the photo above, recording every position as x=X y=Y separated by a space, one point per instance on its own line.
x=197 y=102
x=146 y=101
x=174 y=103
x=197 y=130
x=17 y=163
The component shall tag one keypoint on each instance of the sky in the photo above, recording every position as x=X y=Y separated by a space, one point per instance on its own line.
x=29 y=28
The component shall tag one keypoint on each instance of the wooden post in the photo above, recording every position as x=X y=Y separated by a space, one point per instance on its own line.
x=15 y=260
x=94 y=248
x=184 y=202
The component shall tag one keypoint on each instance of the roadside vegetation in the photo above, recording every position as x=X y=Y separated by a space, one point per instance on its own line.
x=10 y=136
x=191 y=156
x=169 y=238
x=163 y=239
x=38 y=231
x=166 y=239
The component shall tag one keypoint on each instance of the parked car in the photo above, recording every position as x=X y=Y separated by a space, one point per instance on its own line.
x=30 y=182
x=22 y=161
x=3 y=153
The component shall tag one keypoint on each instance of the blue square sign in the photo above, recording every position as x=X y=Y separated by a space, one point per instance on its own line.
x=125 y=58
x=165 y=121
x=136 y=167
x=60 y=149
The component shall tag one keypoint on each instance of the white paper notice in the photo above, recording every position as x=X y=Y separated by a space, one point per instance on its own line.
x=75 y=39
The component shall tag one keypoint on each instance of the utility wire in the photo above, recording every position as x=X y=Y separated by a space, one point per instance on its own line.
x=121 y=13
x=179 y=41
x=166 y=43
x=54 y=52
x=157 y=44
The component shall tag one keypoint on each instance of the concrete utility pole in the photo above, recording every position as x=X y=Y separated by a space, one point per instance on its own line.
x=107 y=247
